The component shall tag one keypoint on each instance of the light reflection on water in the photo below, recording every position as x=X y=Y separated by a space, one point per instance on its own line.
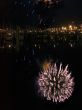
x=20 y=68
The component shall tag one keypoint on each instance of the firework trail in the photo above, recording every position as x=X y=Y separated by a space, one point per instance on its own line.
x=56 y=84
x=46 y=11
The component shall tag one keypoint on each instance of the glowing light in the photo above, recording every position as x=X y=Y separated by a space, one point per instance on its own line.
x=48 y=1
x=64 y=28
x=55 y=84
x=46 y=65
x=9 y=46
x=9 y=34
x=70 y=27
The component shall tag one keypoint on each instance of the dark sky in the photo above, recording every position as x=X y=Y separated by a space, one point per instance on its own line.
x=70 y=11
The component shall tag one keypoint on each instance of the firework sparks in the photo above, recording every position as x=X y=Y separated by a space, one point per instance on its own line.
x=56 y=84
x=48 y=1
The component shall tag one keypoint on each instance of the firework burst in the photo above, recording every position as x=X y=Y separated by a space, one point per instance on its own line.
x=55 y=83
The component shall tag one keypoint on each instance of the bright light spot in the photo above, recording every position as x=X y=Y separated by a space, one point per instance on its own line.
x=70 y=27
x=9 y=46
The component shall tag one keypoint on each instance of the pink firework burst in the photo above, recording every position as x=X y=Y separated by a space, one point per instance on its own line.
x=55 y=83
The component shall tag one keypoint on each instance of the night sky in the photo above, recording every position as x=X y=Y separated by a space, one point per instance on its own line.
x=25 y=12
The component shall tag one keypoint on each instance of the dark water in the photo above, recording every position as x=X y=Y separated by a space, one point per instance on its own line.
x=19 y=71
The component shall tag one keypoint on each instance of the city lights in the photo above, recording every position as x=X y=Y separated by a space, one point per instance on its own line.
x=70 y=27
x=15 y=37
